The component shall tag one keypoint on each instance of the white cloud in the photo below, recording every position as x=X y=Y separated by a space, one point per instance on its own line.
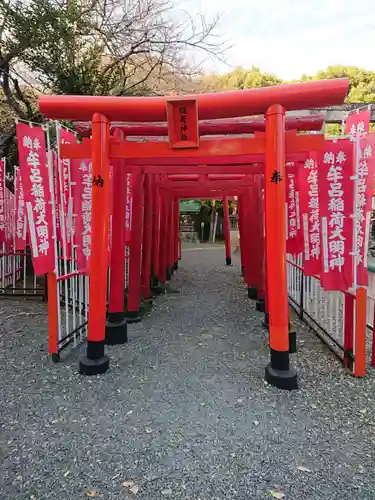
x=292 y=37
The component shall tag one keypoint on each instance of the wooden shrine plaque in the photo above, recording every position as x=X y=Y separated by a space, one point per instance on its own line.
x=182 y=118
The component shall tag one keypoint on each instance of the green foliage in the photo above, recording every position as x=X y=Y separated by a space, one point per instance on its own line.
x=207 y=205
x=240 y=79
x=57 y=44
x=362 y=81
x=333 y=129
x=90 y=47
x=102 y=47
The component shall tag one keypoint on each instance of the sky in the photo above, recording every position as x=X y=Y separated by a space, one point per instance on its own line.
x=292 y=37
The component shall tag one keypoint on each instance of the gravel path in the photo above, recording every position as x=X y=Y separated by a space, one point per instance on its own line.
x=184 y=412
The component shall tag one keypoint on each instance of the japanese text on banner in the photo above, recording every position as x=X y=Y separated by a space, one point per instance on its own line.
x=82 y=206
x=336 y=195
x=128 y=208
x=56 y=193
x=310 y=214
x=9 y=220
x=292 y=196
x=365 y=182
x=21 y=225
x=35 y=181
x=357 y=124
x=65 y=195
x=2 y=200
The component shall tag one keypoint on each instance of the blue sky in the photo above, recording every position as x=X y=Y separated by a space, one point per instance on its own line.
x=292 y=37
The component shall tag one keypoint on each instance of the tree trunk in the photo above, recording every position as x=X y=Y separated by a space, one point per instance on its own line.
x=215 y=228
x=212 y=219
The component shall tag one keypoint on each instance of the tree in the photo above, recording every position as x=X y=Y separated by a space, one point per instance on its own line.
x=362 y=81
x=239 y=79
x=94 y=47
x=362 y=85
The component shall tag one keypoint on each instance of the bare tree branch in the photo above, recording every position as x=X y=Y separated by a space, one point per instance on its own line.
x=114 y=47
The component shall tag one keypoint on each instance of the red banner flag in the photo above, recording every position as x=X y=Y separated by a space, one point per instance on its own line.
x=365 y=184
x=9 y=220
x=35 y=180
x=64 y=175
x=77 y=203
x=294 y=242
x=128 y=208
x=310 y=214
x=66 y=200
x=56 y=188
x=358 y=124
x=336 y=198
x=82 y=204
x=2 y=200
x=21 y=225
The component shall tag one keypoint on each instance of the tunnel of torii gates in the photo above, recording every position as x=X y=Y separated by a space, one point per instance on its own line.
x=185 y=153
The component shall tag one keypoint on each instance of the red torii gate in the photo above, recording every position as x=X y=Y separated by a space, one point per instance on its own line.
x=209 y=186
x=116 y=329
x=213 y=185
x=274 y=102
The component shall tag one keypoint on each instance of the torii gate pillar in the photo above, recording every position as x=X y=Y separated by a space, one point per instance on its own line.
x=278 y=372
x=117 y=328
x=95 y=361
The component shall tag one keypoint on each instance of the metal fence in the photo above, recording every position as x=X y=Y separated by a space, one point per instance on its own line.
x=68 y=289
x=233 y=222
x=338 y=318
x=322 y=311
x=17 y=278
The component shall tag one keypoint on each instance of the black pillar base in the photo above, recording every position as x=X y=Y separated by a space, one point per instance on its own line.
x=279 y=374
x=168 y=273
x=292 y=342
x=147 y=303
x=266 y=321
x=95 y=362
x=158 y=289
x=115 y=317
x=132 y=317
x=228 y=261
x=55 y=357
x=175 y=265
x=252 y=293
x=260 y=305
x=45 y=291
x=154 y=281
x=285 y=380
x=116 y=330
